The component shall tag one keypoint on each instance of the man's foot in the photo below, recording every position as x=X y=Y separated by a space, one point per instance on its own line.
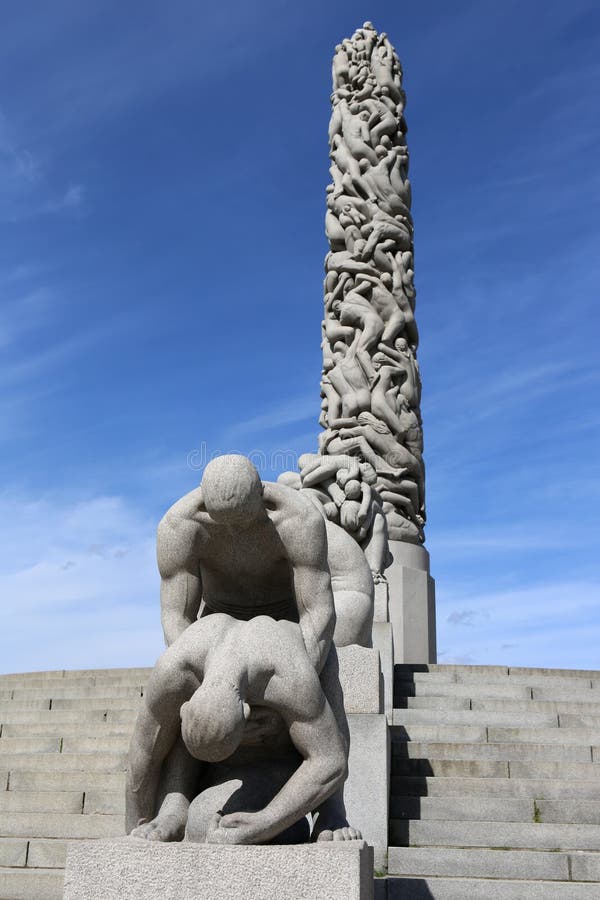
x=163 y=828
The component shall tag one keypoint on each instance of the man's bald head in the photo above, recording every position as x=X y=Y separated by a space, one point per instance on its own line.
x=232 y=490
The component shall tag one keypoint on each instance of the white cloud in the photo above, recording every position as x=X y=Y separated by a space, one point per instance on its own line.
x=546 y=623
x=79 y=584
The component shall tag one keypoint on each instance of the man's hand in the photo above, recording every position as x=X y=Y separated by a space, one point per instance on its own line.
x=238 y=828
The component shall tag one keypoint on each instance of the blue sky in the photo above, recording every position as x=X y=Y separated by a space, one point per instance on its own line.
x=162 y=177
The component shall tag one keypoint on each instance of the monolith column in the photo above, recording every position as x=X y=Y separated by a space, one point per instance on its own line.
x=370 y=384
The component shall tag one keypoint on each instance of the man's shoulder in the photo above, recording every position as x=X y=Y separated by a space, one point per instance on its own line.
x=287 y=506
x=298 y=522
x=188 y=512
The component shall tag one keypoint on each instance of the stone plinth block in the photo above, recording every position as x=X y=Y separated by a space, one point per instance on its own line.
x=359 y=672
x=367 y=790
x=411 y=604
x=129 y=869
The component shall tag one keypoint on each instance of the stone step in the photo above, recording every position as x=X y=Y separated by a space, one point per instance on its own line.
x=531 y=680
x=432 y=733
x=502 y=705
x=61 y=825
x=580 y=736
x=104 y=803
x=577 y=693
x=479 y=768
x=90 y=682
x=10 y=707
x=522 y=706
x=52 y=780
x=13 y=851
x=493 y=835
x=408 y=669
x=137 y=674
x=100 y=728
x=38 y=744
x=104 y=703
x=71 y=692
x=490 y=751
x=540 y=789
x=482 y=808
x=427 y=689
x=117 y=743
x=431 y=702
x=417 y=888
x=39 y=717
x=580 y=720
x=474 y=718
x=31 y=884
x=467 y=809
x=41 y=801
x=47 y=853
x=479 y=863
x=558 y=770
x=98 y=801
x=67 y=762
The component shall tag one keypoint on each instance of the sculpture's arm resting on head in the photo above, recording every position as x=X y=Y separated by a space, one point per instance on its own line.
x=179 y=566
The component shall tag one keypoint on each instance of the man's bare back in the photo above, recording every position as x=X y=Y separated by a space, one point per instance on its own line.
x=206 y=683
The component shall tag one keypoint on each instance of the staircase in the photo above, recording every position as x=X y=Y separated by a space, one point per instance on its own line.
x=495 y=780
x=63 y=744
x=495 y=784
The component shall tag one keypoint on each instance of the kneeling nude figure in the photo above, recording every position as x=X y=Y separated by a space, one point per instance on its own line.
x=244 y=698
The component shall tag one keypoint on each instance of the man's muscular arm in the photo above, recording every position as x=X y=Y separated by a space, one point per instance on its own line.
x=302 y=530
x=178 y=563
x=298 y=698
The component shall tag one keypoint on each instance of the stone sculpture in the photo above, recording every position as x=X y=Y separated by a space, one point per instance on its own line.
x=252 y=594
x=370 y=382
x=248 y=703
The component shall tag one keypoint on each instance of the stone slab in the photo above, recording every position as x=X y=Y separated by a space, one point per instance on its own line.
x=411 y=604
x=534 y=788
x=453 y=716
x=484 y=889
x=366 y=792
x=500 y=835
x=47 y=854
x=137 y=870
x=360 y=678
x=475 y=863
x=31 y=884
x=67 y=781
x=13 y=852
x=41 y=801
x=506 y=751
x=62 y=825
x=383 y=641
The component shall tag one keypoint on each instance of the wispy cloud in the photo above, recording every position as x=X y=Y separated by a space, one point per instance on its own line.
x=79 y=581
x=545 y=623
x=290 y=412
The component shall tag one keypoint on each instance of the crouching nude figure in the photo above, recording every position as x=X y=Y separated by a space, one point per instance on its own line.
x=244 y=698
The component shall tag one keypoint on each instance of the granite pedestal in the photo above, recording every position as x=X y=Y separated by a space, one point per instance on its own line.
x=130 y=869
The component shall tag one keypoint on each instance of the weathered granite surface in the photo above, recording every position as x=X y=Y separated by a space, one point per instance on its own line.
x=136 y=870
x=370 y=382
x=242 y=731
